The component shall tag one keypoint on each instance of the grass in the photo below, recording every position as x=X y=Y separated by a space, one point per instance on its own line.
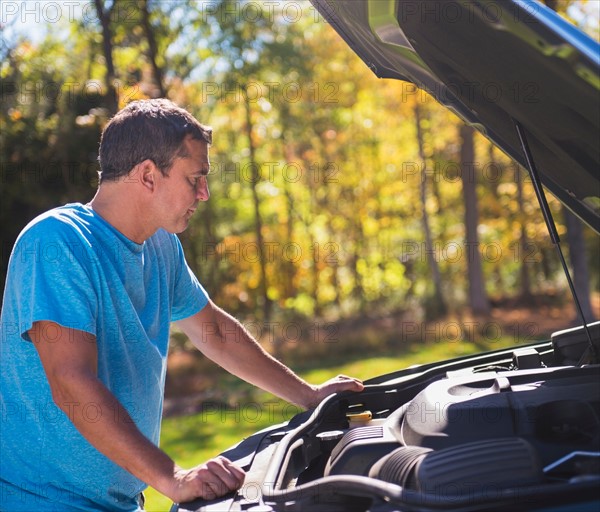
x=191 y=440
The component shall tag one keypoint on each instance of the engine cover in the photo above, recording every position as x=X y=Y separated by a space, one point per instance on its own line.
x=557 y=410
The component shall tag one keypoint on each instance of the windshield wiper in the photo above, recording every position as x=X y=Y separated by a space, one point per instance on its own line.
x=590 y=355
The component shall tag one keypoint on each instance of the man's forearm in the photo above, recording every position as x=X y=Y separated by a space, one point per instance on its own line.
x=224 y=340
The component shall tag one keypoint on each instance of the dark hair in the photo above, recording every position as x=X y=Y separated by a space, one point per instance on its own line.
x=147 y=130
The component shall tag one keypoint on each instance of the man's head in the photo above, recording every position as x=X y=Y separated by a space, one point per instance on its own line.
x=147 y=130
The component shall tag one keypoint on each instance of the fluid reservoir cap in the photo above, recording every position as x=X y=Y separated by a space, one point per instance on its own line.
x=359 y=417
x=330 y=435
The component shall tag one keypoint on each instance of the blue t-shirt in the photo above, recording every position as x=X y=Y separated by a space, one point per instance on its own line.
x=71 y=267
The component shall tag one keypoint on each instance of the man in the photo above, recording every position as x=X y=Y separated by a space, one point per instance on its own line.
x=90 y=292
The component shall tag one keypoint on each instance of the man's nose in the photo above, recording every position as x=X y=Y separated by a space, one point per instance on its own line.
x=202 y=192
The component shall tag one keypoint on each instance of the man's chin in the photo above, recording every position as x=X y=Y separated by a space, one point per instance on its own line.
x=179 y=228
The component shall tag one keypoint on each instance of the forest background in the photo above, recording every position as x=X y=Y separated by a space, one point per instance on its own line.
x=335 y=195
x=338 y=199
x=348 y=215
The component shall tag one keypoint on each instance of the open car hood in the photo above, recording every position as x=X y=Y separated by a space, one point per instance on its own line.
x=493 y=63
x=514 y=429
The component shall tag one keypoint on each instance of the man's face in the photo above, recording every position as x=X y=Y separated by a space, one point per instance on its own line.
x=183 y=187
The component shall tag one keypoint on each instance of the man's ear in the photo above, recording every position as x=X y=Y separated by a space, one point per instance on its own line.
x=146 y=174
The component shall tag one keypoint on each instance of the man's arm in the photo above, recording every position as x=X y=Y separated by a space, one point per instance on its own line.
x=70 y=359
x=223 y=339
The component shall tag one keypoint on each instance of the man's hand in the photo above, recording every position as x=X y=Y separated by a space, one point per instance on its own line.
x=214 y=478
x=334 y=385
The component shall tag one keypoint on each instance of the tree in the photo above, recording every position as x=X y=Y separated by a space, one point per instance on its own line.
x=104 y=15
x=258 y=221
x=477 y=296
x=439 y=305
x=157 y=71
x=579 y=264
x=523 y=241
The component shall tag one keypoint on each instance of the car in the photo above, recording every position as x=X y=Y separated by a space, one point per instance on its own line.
x=512 y=429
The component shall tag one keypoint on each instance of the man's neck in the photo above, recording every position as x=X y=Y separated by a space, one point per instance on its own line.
x=118 y=206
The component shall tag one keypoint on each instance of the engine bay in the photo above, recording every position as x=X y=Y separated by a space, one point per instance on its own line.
x=491 y=429
x=514 y=429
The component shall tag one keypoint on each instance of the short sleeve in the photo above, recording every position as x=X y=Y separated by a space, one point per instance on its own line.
x=189 y=296
x=50 y=277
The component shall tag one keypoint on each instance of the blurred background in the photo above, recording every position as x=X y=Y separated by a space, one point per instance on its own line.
x=336 y=230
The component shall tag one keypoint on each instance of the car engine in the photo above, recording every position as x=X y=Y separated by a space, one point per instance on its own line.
x=515 y=429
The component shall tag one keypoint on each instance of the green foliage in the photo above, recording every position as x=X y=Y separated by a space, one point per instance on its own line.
x=313 y=156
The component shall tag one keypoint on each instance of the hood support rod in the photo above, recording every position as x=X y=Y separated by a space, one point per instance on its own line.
x=590 y=354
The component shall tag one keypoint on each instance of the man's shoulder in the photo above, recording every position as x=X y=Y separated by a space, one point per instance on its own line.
x=52 y=248
x=64 y=218
x=66 y=226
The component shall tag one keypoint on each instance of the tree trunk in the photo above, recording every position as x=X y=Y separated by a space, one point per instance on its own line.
x=152 y=49
x=492 y=188
x=289 y=266
x=306 y=214
x=107 y=49
x=266 y=302
x=477 y=296
x=577 y=257
x=525 y=280
x=439 y=307
x=358 y=246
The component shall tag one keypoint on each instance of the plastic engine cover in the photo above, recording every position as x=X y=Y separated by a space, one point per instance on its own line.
x=554 y=409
